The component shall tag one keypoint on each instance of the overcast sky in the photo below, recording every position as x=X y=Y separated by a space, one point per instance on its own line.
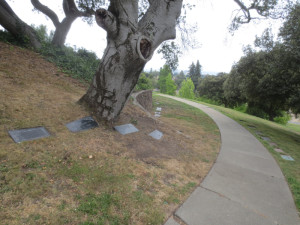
x=217 y=51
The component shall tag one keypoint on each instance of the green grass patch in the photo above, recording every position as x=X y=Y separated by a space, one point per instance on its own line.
x=182 y=111
x=104 y=208
x=294 y=127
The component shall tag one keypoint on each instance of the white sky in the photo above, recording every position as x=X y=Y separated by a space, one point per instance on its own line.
x=218 y=49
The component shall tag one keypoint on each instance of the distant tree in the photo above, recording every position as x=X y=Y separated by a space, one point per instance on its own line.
x=212 y=87
x=170 y=85
x=163 y=73
x=179 y=79
x=144 y=83
x=290 y=31
x=264 y=81
x=153 y=76
x=195 y=73
x=192 y=69
x=266 y=41
x=187 y=89
x=290 y=37
x=232 y=89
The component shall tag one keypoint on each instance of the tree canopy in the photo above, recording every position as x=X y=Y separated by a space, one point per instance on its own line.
x=269 y=79
x=187 y=89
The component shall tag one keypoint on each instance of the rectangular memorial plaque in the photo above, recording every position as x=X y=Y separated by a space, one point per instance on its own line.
x=28 y=134
x=266 y=138
x=287 y=157
x=85 y=123
x=126 y=129
x=156 y=134
x=157 y=114
x=279 y=150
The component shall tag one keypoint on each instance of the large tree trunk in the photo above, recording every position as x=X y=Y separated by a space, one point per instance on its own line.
x=62 y=31
x=116 y=77
x=130 y=45
x=12 y=23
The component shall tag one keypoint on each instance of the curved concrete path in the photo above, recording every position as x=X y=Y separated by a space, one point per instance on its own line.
x=245 y=185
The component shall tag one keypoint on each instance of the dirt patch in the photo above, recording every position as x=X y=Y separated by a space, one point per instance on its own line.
x=96 y=175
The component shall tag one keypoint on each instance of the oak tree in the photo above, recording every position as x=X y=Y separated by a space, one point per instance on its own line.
x=135 y=29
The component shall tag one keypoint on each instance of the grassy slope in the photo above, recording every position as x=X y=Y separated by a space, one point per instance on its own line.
x=96 y=176
x=287 y=138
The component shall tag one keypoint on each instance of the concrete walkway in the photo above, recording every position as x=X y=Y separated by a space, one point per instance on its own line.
x=244 y=187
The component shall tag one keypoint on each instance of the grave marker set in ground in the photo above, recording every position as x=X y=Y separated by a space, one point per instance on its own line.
x=129 y=128
x=287 y=157
x=34 y=133
x=276 y=149
x=82 y=124
x=28 y=134
x=272 y=144
x=126 y=129
x=156 y=134
x=157 y=112
x=85 y=123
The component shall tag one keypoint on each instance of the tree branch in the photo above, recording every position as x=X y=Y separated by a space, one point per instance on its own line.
x=126 y=11
x=48 y=12
x=70 y=9
x=12 y=23
x=245 y=10
x=159 y=22
x=107 y=21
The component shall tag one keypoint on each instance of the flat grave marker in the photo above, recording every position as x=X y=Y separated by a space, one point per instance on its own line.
x=82 y=124
x=279 y=150
x=157 y=114
x=126 y=129
x=287 y=157
x=28 y=134
x=156 y=134
x=266 y=138
x=273 y=144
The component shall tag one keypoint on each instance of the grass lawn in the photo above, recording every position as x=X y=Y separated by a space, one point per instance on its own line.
x=287 y=138
x=96 y=176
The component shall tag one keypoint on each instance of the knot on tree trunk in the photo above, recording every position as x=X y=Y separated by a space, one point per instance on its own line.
x=144 y=48
x=101 y=13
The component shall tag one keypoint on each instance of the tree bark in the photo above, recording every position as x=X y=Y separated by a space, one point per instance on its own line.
x=130 y=45
x=62 y=30
x=12 y=23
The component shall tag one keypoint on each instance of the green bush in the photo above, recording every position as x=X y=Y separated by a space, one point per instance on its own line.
x=170 y=85
x=187 y=89
x=7 y=37
x=241 y=108
x=207 y=100
x=284 y=119
x=256 y=111
x=81 y=64
x=144 y=83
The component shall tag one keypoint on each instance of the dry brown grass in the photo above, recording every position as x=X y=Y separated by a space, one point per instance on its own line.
x=47 y=181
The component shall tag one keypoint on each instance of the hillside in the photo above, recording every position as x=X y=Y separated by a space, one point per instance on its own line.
x=96 y=176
